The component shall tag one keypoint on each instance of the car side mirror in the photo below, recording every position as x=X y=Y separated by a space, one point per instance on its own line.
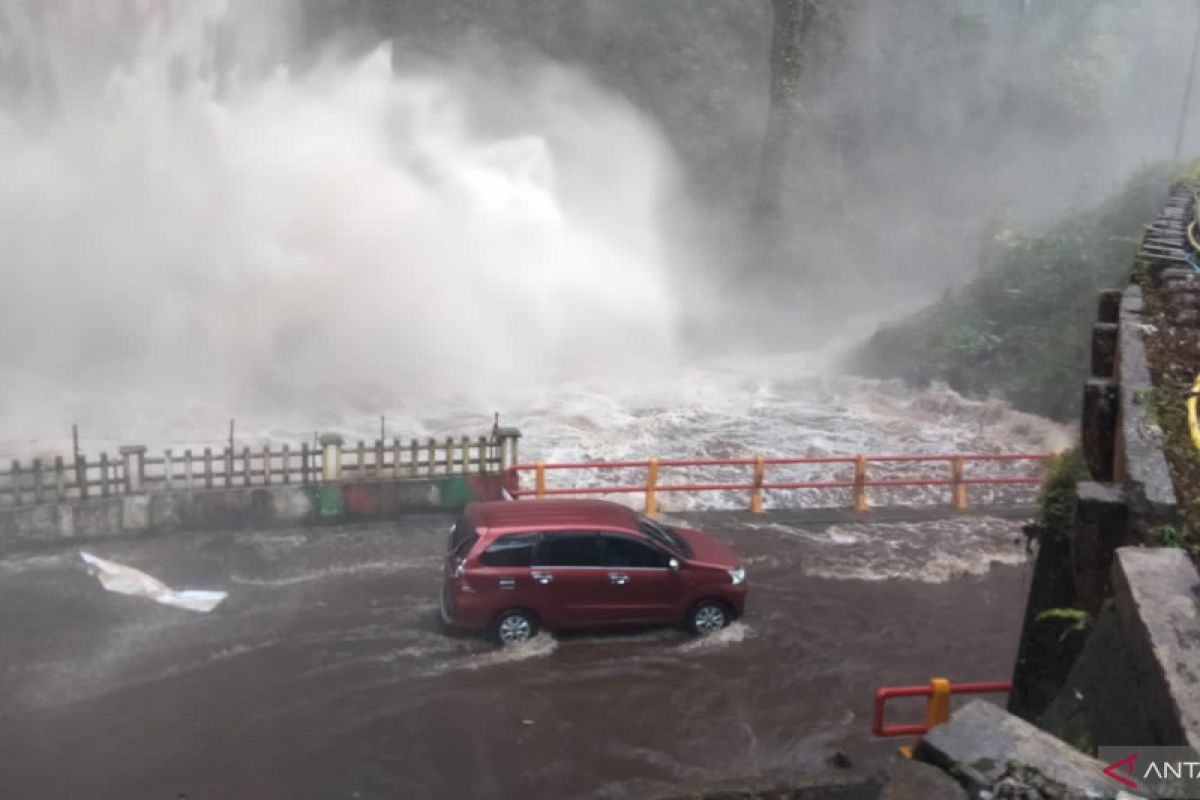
x=673 y=565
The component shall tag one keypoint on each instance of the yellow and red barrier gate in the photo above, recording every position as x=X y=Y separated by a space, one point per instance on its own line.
x=937 y=707
x=957 y=479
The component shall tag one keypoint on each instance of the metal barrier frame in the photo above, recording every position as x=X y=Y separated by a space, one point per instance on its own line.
x=937 y=708
x=957 y=480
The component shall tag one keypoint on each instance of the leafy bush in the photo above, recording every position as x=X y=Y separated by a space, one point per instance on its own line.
x=1021 y=328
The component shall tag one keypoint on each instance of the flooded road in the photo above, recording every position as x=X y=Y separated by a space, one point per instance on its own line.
x=325 y=673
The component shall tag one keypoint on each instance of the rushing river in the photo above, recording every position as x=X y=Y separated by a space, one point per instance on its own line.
x=325 y=675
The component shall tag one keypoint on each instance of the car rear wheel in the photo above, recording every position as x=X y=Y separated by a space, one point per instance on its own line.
x=514 y=626
x=708 y=616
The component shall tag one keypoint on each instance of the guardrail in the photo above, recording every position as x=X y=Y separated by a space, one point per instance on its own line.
x=859 y=481
x=937 y=707
x=329 y=459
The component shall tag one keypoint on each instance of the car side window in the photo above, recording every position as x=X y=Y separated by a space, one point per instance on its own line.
x=513 y=550
x=622 y=551
x=568 y=549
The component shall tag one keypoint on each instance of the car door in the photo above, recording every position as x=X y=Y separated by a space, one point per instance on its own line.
x=641 y=586
x=568 y=566
x=502 y=576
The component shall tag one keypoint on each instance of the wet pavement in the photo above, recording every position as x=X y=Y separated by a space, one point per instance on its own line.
x=325 y=674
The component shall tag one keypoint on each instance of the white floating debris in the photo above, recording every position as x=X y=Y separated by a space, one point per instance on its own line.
x=127 y=580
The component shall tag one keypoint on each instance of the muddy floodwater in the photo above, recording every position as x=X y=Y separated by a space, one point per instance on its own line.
x=325 y=674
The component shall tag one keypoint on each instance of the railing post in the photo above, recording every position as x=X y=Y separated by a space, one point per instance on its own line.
x=168 y=469
x=449 y=463
x=395 y=457
x=379 y=463
x=432 y=465
x=37 y=480
x=466 y=455
x=188 y=470
x=286 y=464
x=414 y=453
x=540 y=482
x=483 y=447
x=16 y=482
x=133 y=458
x=304 y=464
x=860 y=484
x=362 y=467
x=760 y=471
x=652 y=488
x=331 y=457
x=104 y=488
x=60 y=478
x=208 y=470
x=267 y=464
x=81 y=476
x=245 y=466
x=960 y=488
x=228 y=466
x=937 y=709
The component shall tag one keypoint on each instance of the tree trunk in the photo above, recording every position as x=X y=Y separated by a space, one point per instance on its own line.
x=790 y=24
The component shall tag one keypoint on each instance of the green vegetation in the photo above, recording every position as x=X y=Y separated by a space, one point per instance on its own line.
x=1169 y=407
x=1080 y=620
x=1056 y=498
x=1020 y=329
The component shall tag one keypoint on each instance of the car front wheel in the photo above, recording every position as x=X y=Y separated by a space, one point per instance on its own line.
x=513 y=627
x=708 y=616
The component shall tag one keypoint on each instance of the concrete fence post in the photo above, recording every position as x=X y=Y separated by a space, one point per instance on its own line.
x=331 y=456
x=38 y=484
x=168 y=468
x=81 y=476
x=133 y=459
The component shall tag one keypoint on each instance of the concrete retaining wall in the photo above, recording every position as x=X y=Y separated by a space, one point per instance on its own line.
x=235 y=508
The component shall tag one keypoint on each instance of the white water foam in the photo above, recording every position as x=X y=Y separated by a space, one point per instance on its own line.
x=193 y=223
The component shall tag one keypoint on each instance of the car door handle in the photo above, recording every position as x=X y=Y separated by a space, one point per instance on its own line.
x=618 y=578
x=543 y=577
x=508 y=583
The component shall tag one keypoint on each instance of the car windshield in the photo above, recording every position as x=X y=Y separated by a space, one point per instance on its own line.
x=664 y=536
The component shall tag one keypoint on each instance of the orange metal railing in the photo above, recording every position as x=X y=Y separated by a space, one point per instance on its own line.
x=957 y=479
x=937 y=707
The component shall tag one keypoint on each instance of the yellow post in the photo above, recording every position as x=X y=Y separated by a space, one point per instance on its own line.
x=760 y=470
x=540 y=487
x=937 y=710
x=652 y=488
x=960 y=488
x=860 y=484
x=466 y=454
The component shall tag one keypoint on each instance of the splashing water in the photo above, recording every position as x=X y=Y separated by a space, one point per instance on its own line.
x=186 y=215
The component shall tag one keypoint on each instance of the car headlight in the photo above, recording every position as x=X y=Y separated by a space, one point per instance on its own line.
x=737 y=575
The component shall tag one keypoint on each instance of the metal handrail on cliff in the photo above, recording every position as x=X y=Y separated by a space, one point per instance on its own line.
x=957 y=480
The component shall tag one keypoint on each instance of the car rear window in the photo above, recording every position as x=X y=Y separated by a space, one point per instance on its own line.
x=514 y=550
x=462 y=536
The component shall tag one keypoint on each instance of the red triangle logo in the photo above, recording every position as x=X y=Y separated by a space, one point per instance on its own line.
x=1112 y=769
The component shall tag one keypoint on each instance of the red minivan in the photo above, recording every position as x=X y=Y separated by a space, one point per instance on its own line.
x=516 y=566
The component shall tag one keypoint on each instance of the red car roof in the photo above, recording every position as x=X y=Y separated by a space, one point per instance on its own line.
x=519 y=514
